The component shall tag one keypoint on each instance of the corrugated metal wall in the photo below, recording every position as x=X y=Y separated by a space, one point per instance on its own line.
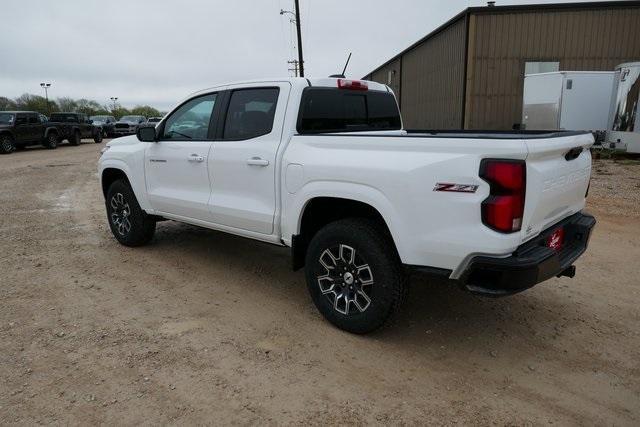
x=433 y=80
x=392 y=80
x=500 y=43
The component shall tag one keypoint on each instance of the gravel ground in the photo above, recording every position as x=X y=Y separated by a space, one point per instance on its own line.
x=206 y=328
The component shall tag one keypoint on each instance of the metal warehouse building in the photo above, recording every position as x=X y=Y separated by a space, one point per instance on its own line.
x=469 y=72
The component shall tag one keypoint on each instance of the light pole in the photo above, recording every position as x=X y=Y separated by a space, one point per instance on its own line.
x=296 y=20
x=114 y=99
x=46 y=87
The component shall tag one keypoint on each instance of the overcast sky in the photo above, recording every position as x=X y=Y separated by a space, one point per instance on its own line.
x=158 y=51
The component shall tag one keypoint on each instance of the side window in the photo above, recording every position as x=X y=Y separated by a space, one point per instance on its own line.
x=191 y=121
x=21 y=120
x=33 y=120
x=250 y=113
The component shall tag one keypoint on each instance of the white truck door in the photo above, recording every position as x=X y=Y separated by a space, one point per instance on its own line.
x=176 y=166
x=242 y=163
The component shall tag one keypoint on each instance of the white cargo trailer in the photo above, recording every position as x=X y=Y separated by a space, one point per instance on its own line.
x=568 y=100
x=624 y=128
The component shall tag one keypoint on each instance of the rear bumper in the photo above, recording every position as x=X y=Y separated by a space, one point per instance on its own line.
x=531 y=263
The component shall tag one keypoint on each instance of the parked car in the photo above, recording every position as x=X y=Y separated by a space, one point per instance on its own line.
x=19 y=129
x=323 y=166
x=74 y=127
x=128 y=125
x=107 y=123
x=154 y=120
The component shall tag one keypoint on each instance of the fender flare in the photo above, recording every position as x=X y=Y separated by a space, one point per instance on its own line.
x=50 y=129
x=139 y=189
x=343 y=190
x=7 y=132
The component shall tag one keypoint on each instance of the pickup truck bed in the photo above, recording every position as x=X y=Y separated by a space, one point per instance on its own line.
x=324 y=167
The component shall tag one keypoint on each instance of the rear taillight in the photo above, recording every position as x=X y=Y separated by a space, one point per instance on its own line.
x=504 y=208
x=352 y=84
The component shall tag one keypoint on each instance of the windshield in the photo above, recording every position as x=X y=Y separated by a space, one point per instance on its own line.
x=130 y=119
x=100 y=119
x=6 y=118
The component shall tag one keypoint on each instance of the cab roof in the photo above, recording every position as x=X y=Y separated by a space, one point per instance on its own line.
x=297 y=81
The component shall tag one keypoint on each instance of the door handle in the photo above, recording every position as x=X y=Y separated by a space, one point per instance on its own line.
x=196 y=158
x=257 y=161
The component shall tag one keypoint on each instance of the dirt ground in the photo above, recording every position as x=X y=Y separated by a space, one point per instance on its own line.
x=206 y=328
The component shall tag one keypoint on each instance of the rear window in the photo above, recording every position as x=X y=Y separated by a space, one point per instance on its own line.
x=338 y=110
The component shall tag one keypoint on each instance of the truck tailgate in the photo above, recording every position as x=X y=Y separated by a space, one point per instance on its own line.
x=558 y=172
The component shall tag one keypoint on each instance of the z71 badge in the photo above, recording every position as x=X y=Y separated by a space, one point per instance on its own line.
x=455 y=188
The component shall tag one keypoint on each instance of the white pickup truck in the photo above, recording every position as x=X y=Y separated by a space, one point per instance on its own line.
x=324 y=167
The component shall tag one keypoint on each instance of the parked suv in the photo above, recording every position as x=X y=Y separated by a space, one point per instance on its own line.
x=128 y=125
x=74 y=127
x=19 y=129
x=107 y=123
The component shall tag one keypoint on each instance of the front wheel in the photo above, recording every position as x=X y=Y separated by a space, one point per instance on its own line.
x=75 y=138
x=51 y=141
x=97 y=138
x=354 y=275
x=130 y=225
x=7 y=146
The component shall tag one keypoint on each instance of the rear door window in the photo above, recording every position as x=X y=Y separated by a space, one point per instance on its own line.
x=250 y=113
x=21 y=119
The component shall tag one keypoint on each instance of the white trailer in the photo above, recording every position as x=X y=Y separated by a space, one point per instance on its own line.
x=568 y=100
x=624 y=127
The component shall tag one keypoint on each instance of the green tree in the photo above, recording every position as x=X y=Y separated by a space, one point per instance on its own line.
x=145 y=110
x=29 y=102
x=88 y=107
x=67 y=105
x=119 y=111
x=7 y=104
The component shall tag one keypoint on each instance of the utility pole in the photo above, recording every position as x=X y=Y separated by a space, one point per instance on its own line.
x=299 y=64
x=46 y=87
x=298 y=28
x=295 y=67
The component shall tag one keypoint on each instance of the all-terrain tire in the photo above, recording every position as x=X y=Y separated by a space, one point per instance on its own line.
x=7 y=145
x=51 y=142
x=336 y=282
x=75 y=138
x=97 y=138
x=130 y=225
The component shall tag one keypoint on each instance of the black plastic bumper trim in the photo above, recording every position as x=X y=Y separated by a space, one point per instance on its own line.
x=531 y=263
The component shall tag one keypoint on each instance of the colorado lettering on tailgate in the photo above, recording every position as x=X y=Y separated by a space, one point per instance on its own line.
x=562 y=180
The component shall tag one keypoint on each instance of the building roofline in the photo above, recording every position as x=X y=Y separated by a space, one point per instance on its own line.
x=506 y=9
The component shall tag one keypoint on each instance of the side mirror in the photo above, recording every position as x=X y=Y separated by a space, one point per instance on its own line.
x=146 y=133
x=90 y=122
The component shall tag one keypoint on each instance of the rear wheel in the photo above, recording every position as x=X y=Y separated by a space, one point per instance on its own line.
x=130 y=225
x=75 y=138
x=7 y=145
x=51 y=141
x=354 y=275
